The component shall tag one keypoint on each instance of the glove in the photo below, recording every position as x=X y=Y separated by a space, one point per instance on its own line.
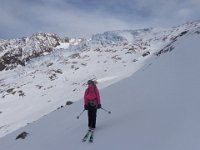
x=99 y=106
x=86 y=107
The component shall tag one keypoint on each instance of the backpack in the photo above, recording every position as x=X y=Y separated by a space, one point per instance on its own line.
x=93 y=103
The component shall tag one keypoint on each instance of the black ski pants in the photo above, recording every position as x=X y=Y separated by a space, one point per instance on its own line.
x=92 y=114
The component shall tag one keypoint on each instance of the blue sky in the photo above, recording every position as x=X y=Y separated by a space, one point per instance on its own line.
x=82 y=18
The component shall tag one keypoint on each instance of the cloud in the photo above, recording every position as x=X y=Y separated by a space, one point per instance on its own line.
x=184 y=13
x=58 y=17
x=83 y=18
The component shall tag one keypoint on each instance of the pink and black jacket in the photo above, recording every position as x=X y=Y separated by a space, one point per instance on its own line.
x=92 y=94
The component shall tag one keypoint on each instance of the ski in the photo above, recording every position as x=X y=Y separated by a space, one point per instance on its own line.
x=91 y=137
x=86 y=136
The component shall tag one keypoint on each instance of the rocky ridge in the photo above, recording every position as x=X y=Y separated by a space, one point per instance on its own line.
x=16 y=52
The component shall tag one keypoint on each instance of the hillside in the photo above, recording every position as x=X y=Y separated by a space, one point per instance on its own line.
x=49 y=81
x=155 y=108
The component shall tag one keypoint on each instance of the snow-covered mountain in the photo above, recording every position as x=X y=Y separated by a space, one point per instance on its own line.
x=156 y=108
x=16 y=52
x=56 y=76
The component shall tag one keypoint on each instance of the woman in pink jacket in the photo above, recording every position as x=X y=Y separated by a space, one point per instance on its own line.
x=92 y=103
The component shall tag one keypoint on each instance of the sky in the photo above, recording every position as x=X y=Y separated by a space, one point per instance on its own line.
x=83 y=18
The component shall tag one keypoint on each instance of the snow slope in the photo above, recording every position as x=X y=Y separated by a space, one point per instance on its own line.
x=157 y=108
x=50 y=81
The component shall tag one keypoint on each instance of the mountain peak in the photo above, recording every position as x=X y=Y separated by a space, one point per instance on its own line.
x=18 y=51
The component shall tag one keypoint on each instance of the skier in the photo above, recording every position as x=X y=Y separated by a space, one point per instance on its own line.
x=92 y=103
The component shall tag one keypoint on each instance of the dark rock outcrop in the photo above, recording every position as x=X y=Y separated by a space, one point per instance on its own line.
x=22 y=135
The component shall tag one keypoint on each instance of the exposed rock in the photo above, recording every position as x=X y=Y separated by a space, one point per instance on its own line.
x=49 y=64
x=20 y=51
x=21 y=93
x=59 y=71
x=10 y=90
x=2 y=66
x=135 y=60
x=22 y=135
x=146 y=53
x=76 y=55
x=167 y=48
x=69 y=102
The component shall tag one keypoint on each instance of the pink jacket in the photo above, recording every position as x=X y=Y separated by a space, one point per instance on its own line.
x=91 y=93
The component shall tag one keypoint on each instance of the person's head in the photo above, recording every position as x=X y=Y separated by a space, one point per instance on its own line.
x=90 y=82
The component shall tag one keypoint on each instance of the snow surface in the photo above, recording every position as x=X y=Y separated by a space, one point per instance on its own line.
x=46 y=83
x=49 y=81
x=157 y=108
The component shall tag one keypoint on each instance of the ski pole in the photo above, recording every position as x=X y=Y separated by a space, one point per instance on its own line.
x=106 y=110
x=80 y=114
